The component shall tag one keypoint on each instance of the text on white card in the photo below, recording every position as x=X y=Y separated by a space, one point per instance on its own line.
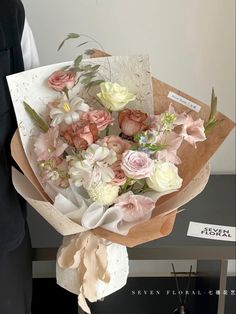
x=183 y=101
x=213 y=232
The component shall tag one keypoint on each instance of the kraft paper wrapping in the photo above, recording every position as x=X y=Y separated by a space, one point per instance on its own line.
x=193 y=162
x=71 y=274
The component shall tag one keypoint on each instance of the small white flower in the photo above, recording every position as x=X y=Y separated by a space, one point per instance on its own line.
x=68 y=111
x=164 y=177
x=52 y=175
x=102 y=154
x=94 y=166
x=105 y=194
x=80 y=172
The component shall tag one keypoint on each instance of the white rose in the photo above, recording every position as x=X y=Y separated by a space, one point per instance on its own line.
x=114 y=97
x=164 y=177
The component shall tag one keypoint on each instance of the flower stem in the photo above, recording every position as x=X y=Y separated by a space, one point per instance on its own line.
x=108 y=127
x=65 y=90
x=107 y=130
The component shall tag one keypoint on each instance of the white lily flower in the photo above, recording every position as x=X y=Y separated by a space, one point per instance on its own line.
x=94 y=168
x=68 y=111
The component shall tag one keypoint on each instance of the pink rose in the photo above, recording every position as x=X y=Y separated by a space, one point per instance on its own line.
x=136 y=165
x=136 y=208
x=117 y=144
x=60 y=80
x=131 y=122
x=193 y=131
x=120 y=178
x=100 y=117
x=81 y=134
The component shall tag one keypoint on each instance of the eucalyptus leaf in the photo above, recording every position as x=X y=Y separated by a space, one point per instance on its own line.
x=95 y=67
x=94 y=83
x=86 y=68
x=78 y=61
x=62 y=44
x=73 y=35
x=87 y=80
x=69 y=36
x=82 y=44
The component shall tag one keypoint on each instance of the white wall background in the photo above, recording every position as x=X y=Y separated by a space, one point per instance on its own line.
x=191 y=43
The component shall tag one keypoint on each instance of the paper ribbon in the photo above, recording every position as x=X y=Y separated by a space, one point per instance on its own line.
x=87 y=254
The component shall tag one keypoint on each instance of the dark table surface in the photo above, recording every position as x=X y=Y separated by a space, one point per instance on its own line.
x=215 y=205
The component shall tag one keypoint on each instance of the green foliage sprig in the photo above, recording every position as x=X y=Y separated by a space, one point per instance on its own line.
x=36 y=118
x=88 y=72
x=212 y=121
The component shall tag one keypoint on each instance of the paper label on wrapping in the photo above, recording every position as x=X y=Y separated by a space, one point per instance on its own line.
x=183 y=101
x=212 y=232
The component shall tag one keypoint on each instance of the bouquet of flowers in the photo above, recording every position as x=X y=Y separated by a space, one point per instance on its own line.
x=100 y=153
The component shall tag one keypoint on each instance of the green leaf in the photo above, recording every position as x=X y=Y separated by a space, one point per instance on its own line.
x=90 y=68
x=78 y=61
x=73 y=35
x=95 y=68
x=86 y=68
x=212 y=121
x=87 y=79
x=61 y=44
x=69 y=36
x=94 y=83
x=213 y=105
x=36 y=118
x=82 y=44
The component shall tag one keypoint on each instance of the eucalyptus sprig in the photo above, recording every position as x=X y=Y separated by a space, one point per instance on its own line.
x=212 y=121
x=68 y=37
x=88 y=72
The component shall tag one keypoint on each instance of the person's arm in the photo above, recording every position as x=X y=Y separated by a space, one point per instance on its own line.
x=29 y=50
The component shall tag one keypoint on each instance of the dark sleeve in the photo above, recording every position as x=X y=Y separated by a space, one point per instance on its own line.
x=12 y=19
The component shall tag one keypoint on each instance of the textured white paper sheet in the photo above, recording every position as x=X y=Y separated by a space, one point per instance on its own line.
x=31 y=87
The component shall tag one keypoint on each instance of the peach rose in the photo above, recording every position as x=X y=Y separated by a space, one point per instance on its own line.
x=117 y=144
x=60 y=80
x=81 y=134
x=120 y=178
x=132 y=121
x=100 y=117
